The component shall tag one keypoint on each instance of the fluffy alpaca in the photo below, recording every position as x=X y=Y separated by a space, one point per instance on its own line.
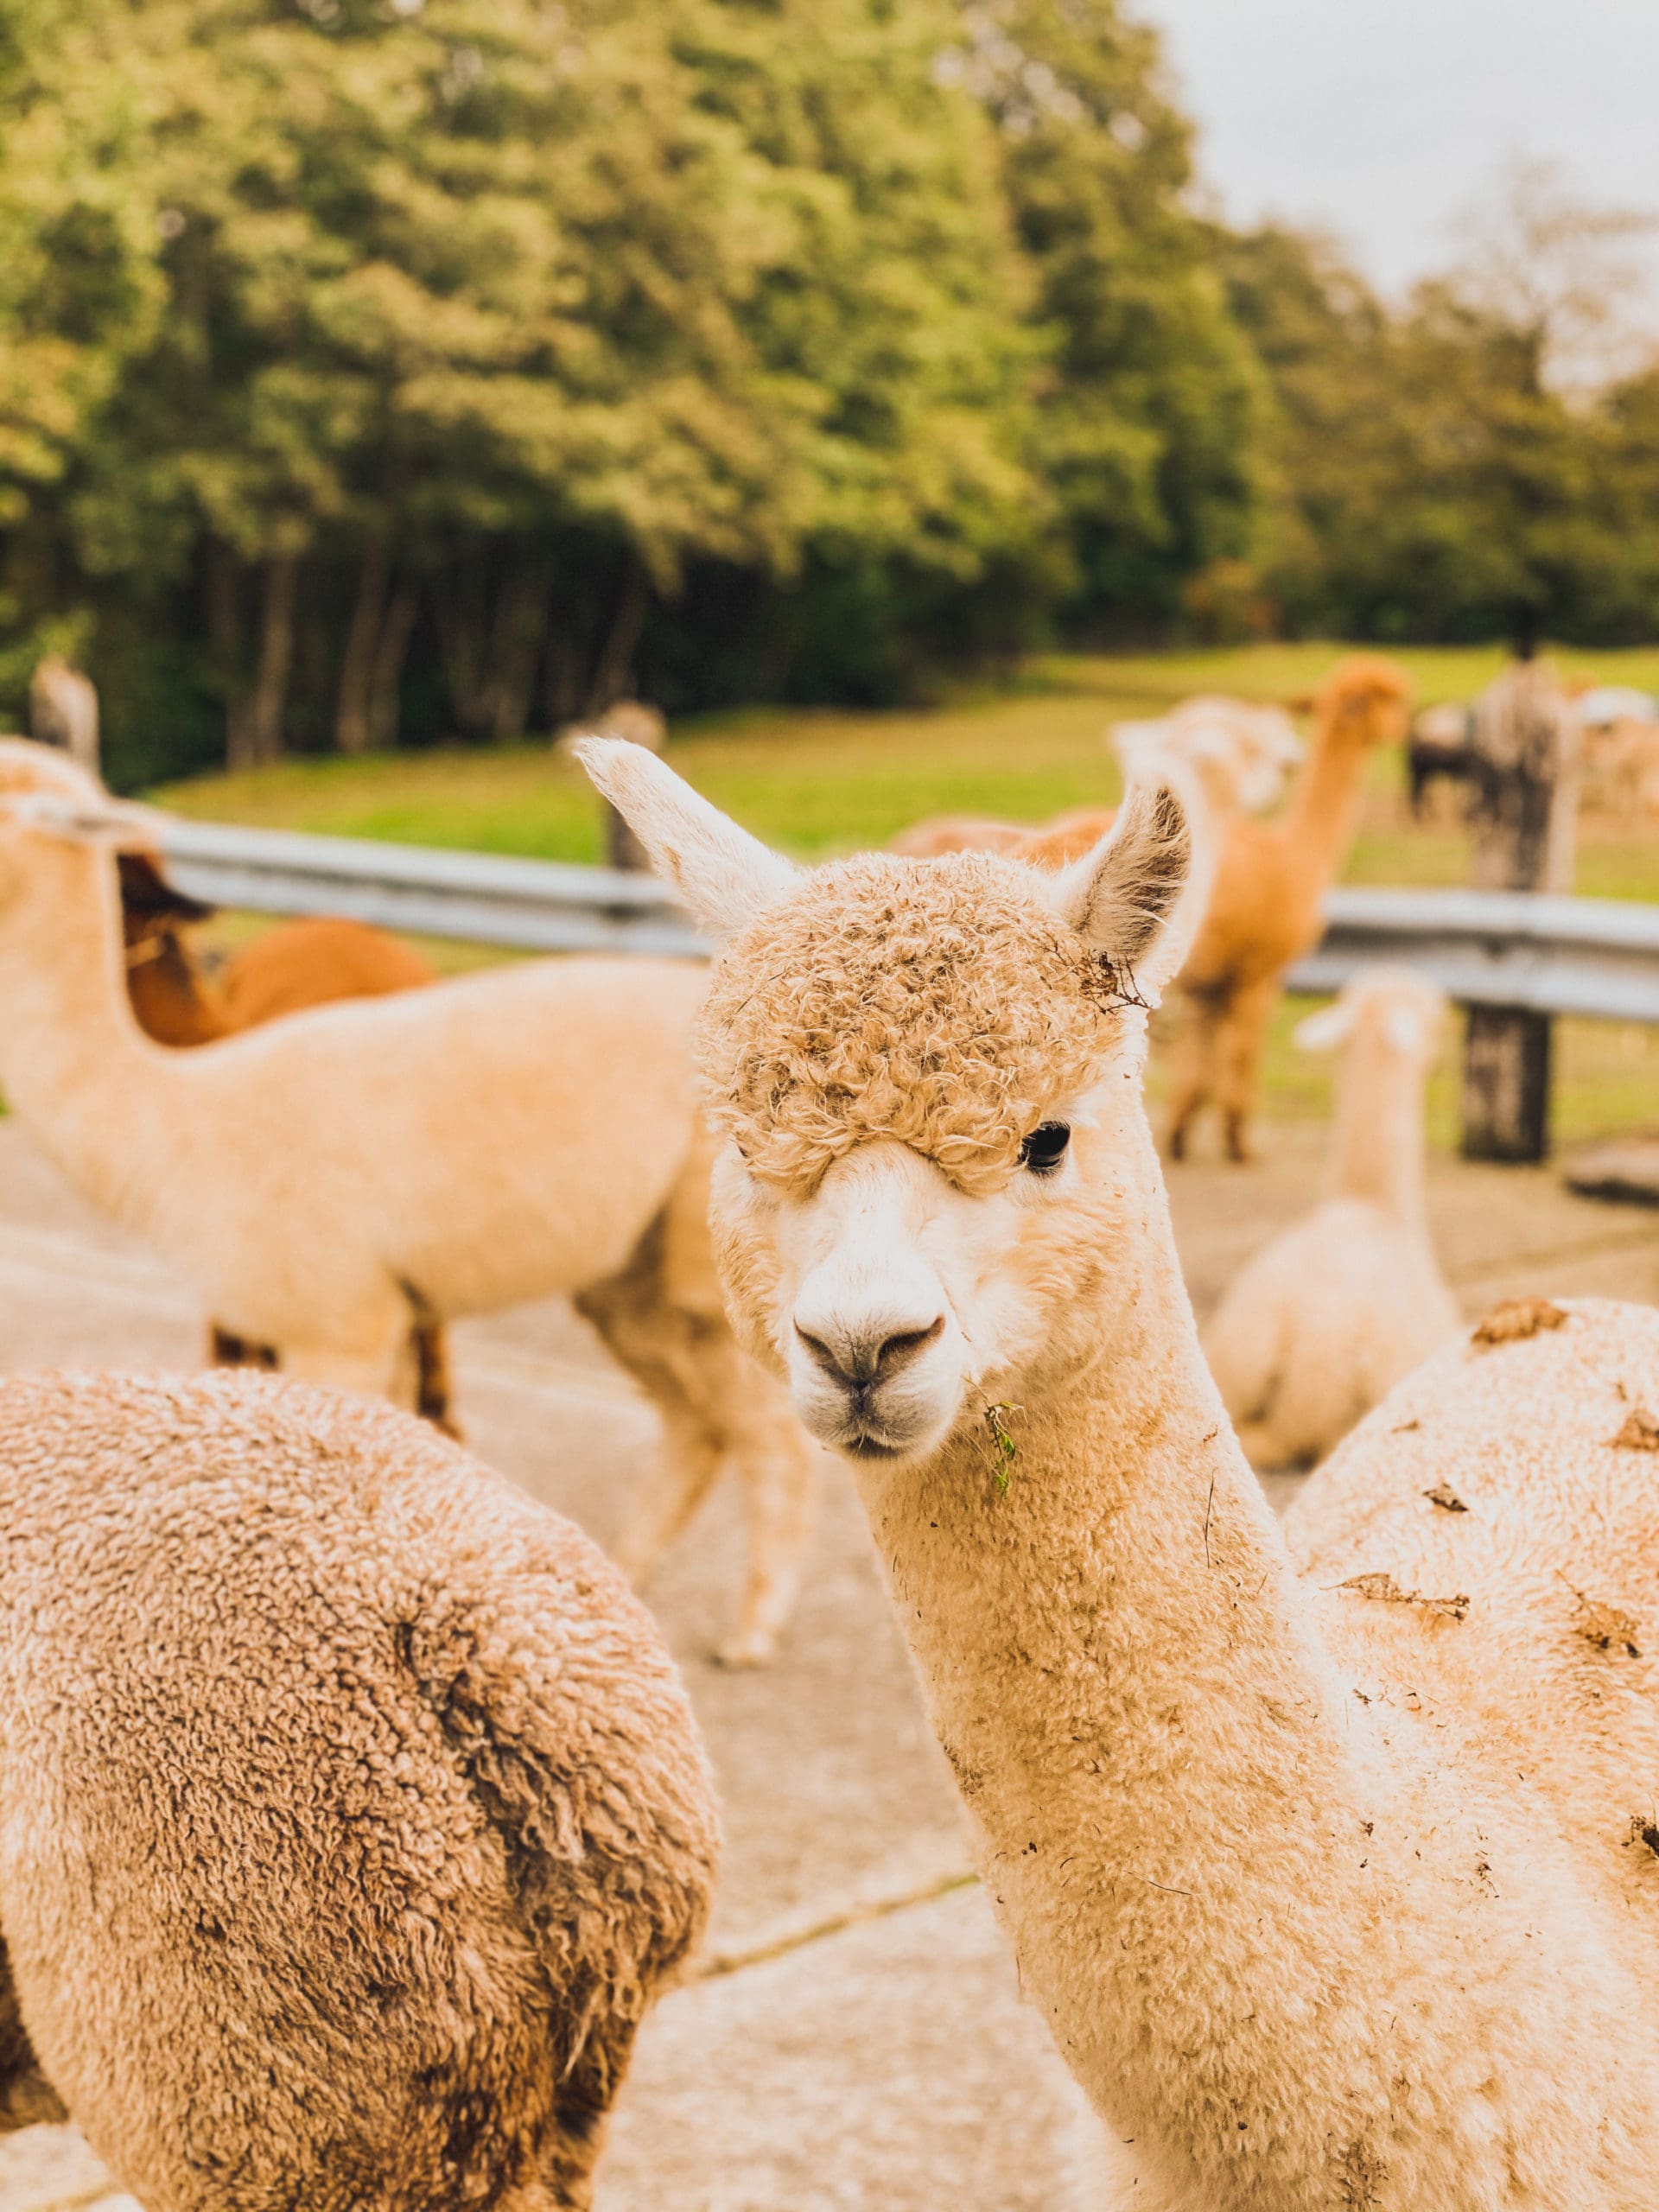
x=355 y=1812
x=1330 y=1895
x=175 y=1001
x=328 y=1180
x=1326 y=1320
x=1240 y=755
x=1266 y=908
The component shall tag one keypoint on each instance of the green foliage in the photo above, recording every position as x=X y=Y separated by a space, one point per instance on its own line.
x=404 y=370
x=1432 y=482
x=441 y=365
x=1146 y=427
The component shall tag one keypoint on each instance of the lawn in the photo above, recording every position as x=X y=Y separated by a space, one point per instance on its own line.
x=820 y=781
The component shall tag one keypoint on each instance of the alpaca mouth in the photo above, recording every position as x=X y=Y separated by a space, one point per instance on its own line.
x=861 y=1445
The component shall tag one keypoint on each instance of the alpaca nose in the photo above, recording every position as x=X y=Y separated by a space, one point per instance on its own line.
x=861 y=1355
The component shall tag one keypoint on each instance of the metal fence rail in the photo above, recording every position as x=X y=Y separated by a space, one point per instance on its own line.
x=1553 y=955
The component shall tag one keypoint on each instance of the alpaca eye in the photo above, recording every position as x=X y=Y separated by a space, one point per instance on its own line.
x=1045 y=1148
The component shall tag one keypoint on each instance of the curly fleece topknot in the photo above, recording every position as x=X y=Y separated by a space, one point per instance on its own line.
x=937 y=1004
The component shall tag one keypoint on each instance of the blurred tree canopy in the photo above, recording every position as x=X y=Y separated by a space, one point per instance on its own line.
x=398 y=369
x=1446 y=470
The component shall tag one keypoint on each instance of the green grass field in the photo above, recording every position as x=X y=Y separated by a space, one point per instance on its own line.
x=819 y=782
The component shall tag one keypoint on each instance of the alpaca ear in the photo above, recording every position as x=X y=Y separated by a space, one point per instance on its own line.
x=727 y=877
x=1138 y=896
x=1323 y=1031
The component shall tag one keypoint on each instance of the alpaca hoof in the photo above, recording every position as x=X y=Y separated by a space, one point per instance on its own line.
x=1177 y=1144
x=747 y=1649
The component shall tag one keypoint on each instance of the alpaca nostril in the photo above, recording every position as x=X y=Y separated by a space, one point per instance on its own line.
x=857 y=1358
x=898 y=1351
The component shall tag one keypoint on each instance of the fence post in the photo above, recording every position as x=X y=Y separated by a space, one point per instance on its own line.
x=1523 y=751
x=1506 y=1065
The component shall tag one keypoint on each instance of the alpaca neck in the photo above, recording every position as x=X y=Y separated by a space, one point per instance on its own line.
x=1125 y=1675
x=1378 y=1148
x=73 y=1066
x=1322 y=814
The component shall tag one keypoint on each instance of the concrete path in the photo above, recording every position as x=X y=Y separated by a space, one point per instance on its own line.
x=856 y=2038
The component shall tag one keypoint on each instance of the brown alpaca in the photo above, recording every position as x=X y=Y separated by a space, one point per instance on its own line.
x=355 y=1812
x=1266 y=908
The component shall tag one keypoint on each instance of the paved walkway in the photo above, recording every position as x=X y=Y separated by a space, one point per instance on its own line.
x=856 y=2038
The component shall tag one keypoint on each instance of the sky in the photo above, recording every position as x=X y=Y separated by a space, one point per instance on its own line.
x=1384 y=120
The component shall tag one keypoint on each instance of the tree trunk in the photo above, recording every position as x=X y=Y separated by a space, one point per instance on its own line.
x=386 y=687
x=562 y=690
x=613 y=675
x=267 y=707
x=223 y=579
x=460 y=609
x=353 y=713
x=521 y=613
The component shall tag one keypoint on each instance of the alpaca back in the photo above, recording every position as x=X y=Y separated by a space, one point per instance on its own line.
x=1516 y=1470
x=351 y=1800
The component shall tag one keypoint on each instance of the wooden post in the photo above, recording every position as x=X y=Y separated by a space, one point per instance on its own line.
x=1506 y=1084
x=1522 y=744
x=639 y=725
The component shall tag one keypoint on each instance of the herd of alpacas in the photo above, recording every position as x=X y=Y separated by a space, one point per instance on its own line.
x=352 y=1813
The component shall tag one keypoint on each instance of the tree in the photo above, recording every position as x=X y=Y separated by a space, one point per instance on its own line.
x=1148 y=426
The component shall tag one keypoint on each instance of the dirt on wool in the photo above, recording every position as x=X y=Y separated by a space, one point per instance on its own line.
x=1386 y=1591
x=1640 y=1432
x=1517 y=1317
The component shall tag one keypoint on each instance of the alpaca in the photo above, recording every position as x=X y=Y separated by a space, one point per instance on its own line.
x=1329 y=1895
x=1266 y=904
x=1240 y=752
x=1437 y=749
x=1326 y=1320
x=330 y=1180
x=355 y=1812
x=175 y=1001
x=311 y=962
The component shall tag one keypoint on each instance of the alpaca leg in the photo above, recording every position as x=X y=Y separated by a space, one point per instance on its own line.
x=778 y=1464
x=435 y=1387
x=661 y=1348
x=684 y=1475
x=1239 y=1047
x=1192 y=1067
x=225 y=1349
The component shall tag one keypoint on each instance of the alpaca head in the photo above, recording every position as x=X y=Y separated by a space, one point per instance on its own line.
x=1392 y=1012
x=926 y=1074
x=1240 y=755
x=1365 y=701
x=58 y=825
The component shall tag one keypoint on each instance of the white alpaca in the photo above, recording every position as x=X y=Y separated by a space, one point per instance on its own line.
x=1240 y=755
x=1332 y=1883
x=327 y=1180
x=1324 y=1322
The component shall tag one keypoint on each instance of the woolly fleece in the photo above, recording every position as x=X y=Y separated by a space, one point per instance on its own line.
x=941 y=1005
x=354 y=1811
